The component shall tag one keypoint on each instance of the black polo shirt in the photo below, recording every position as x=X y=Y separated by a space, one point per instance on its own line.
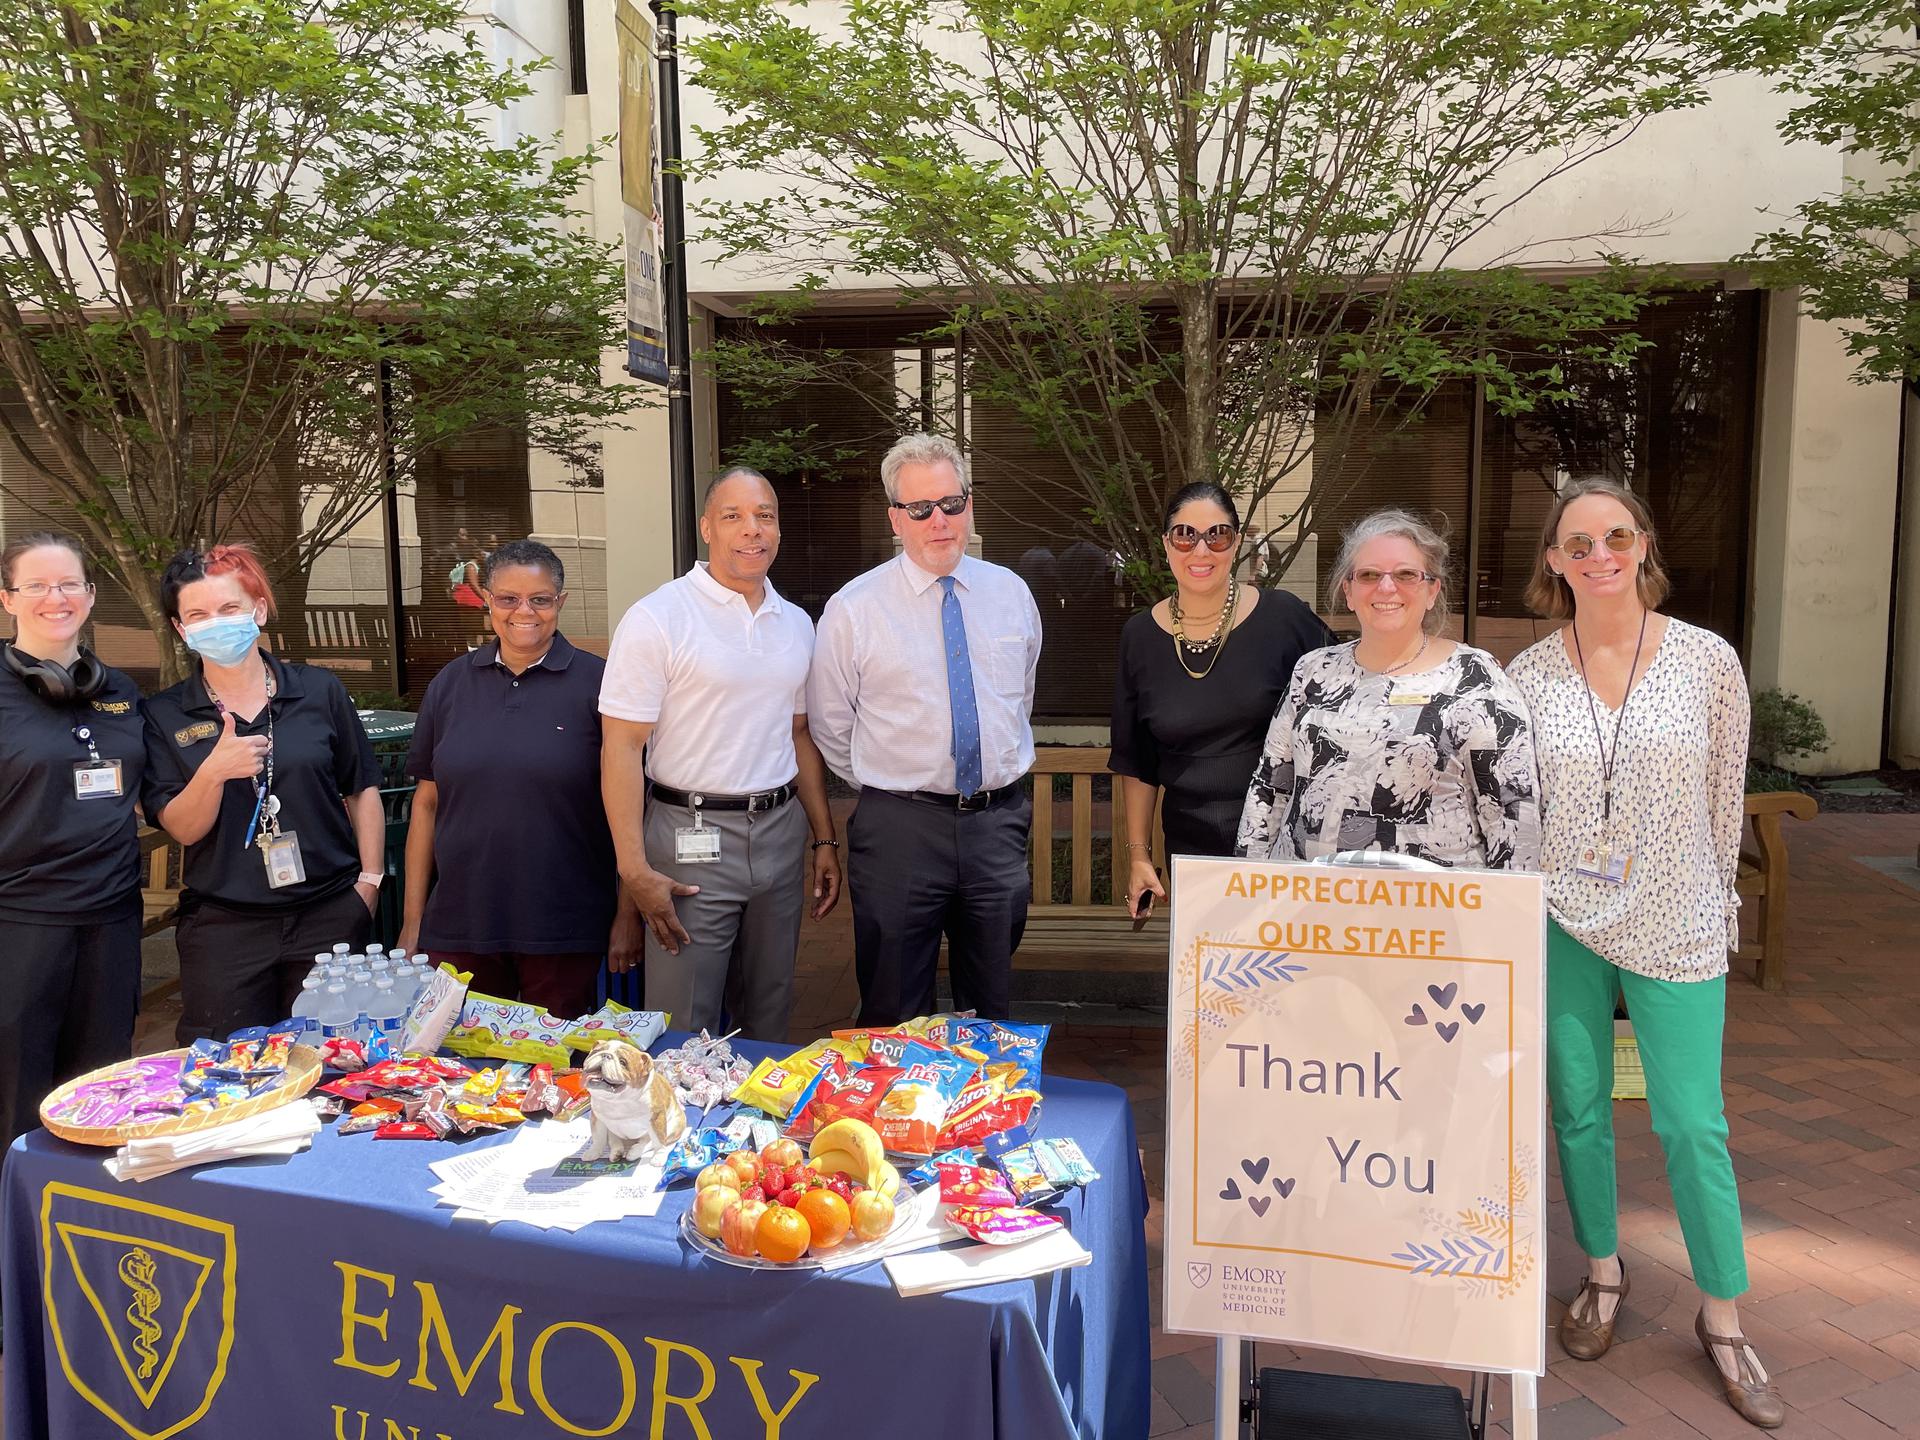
x=320 y=755
x=522 y=855
x=64 y=860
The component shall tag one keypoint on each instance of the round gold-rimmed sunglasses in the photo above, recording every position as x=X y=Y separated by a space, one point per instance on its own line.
x=1219 y=538
x=1578 y=546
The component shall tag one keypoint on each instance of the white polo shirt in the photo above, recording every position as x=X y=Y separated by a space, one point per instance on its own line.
x=719 y=682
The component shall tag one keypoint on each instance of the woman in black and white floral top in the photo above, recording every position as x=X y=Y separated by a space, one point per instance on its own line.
x=1403 y=740
x=1640 y=724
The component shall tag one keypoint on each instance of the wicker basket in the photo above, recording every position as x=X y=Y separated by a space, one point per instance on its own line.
x=302 y=1072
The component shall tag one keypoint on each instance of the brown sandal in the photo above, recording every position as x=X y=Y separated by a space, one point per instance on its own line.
x=1583 y=1334
x=1753 y=1400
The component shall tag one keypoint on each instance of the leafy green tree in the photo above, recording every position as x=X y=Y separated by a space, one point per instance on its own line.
x=1853 y=70
x=1195 y=239
x=258 y=256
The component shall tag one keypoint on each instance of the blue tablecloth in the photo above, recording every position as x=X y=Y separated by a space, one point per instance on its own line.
x=325 y=1295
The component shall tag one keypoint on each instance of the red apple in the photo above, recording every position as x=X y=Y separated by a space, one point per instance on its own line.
x=782 y=1152
x=719 y=1173
x=745 y=1165
x=738 y=1224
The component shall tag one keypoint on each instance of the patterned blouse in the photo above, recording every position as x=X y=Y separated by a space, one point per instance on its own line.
x=1679 y=783
x=1438 y=765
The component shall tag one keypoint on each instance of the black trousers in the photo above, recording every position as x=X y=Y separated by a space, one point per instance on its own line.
x=916 y=872
x=68 y=998
x=239 y=968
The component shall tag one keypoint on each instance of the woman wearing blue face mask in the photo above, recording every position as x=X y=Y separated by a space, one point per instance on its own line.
x=260 y=768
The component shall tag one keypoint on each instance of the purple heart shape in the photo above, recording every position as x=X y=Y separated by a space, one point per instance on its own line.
x=1255 y=1173
x=1232 y=1192
x=1448 y=1029
x=1443 y=994
x=1285 y=1187
x=1472 y=1012
x=1416 y=1016
x=1259 y=1204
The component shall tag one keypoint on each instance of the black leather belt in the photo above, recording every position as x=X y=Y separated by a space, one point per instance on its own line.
x=701 y=800
x=981 y=800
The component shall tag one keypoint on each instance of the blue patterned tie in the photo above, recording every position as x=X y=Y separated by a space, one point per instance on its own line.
x=966 y=713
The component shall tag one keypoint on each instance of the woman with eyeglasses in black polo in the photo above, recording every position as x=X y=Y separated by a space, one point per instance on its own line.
x=1200 y=675
x=71 y=760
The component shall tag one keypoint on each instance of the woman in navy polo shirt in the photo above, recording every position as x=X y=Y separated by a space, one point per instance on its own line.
x=510 y=866
x=260 y=768
x=70 y=766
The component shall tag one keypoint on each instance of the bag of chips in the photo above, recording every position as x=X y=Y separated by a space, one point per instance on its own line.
x=1016 y=1107
x=915 y=1107
x=974 y=1185
x=999 y=1224
x=848 y=1095
x=1004 y=1040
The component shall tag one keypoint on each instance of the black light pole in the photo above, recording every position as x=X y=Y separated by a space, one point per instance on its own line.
x=679 y=343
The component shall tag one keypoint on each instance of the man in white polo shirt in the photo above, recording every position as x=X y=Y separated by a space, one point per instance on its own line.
x=706 y=750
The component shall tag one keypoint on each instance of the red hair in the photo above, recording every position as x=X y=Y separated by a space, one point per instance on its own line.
x=238 y=561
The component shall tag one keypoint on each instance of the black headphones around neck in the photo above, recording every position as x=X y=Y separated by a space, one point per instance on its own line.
x=53 y=682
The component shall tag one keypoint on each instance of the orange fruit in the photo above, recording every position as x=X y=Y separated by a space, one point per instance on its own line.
x=782 y=1234
x=827 y=1216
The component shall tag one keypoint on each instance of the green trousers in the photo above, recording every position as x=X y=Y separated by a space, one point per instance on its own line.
x=1679 y=1026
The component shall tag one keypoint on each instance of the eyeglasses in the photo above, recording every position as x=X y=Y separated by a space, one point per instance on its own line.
x=35 y=590
x=1404 y=579
x=921 y=509
x=1219 y=538
x=540 y=604
x=1619 y=540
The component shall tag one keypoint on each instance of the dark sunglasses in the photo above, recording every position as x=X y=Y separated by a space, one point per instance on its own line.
x=921 y=509
x=1219 y=538
x=1578 y=547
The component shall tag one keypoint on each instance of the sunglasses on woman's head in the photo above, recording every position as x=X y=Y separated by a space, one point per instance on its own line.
x=921 y=509
x=1578 y=547
x=1219 y=538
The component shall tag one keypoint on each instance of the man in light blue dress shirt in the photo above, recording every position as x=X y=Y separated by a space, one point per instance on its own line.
x=921 y=694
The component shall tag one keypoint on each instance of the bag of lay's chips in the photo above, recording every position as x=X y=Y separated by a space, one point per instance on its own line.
x=775 y=1085
x=943 y=1029
x=843 y=1095
x=915 y=1108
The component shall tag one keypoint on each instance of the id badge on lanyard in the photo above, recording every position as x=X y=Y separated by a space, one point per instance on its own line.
x=95 y=778
x=696 y=844
x=1609 y=864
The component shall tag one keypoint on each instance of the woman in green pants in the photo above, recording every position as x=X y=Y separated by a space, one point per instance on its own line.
x=1640 y=726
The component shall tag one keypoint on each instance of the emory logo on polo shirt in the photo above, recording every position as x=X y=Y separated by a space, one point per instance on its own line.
x=126 y=1283
x=199 y=730
x=113 y=707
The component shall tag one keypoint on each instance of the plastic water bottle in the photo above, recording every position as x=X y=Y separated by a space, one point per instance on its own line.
x=359 y=996
x=308 y=1000
x=385 y=1011
x=343 y=949
x=336 y=1013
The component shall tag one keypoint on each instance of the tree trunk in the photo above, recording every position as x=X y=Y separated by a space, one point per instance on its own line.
x=144 y=588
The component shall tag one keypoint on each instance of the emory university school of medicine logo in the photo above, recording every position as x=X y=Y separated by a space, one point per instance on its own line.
x=140 y=1301
x=1198 y=1274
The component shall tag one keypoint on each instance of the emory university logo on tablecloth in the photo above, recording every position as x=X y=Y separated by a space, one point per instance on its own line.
x=140 y=1302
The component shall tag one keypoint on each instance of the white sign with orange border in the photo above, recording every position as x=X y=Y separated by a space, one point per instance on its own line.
x=1355 y=1105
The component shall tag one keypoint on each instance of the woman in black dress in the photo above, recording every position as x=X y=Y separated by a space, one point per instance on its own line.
x=1200 y=674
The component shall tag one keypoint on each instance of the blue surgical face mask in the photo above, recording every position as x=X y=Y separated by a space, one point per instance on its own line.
x=225 y=639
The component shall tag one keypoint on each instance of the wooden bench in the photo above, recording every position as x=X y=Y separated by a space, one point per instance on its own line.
x=1078 y=924
x=160 y=885
x=1762 y=880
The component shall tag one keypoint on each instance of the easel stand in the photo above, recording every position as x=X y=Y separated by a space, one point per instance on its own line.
x=1304 y=1405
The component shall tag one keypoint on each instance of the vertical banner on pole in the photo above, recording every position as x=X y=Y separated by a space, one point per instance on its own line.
x=1355 y=1100
x=640 y=194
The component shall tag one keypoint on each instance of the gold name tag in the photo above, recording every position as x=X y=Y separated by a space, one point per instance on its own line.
x=201 y=730
x=1401 y=697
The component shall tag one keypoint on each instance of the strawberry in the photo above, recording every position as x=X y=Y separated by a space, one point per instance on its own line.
x=841 y=1186
x=774 y=1178
x=790 y=1197
x=754 y=1192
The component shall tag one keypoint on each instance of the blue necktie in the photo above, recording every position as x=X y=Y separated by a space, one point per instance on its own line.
x=966 y=713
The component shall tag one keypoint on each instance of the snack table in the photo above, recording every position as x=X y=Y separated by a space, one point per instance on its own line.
x=324 y=1294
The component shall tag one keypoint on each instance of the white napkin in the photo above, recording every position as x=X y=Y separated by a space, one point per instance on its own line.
x=933 y=1272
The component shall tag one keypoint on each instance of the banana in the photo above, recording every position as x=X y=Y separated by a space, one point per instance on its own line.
x=856 y=1138
x=840 y=1162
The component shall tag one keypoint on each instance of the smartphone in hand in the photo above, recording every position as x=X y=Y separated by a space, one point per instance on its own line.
x=1142 y=908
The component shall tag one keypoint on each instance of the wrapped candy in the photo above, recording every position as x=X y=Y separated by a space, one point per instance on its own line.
x=703 y=1070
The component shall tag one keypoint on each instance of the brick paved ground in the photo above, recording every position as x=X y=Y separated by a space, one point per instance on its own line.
x=1823 y=1089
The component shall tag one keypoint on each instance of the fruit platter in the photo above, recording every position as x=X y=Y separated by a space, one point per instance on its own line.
x=787 y=1208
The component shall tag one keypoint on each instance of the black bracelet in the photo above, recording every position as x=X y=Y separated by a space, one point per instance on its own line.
x=816 y=844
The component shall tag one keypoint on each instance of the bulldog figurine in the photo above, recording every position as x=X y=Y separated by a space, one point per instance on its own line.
x=636 y=1115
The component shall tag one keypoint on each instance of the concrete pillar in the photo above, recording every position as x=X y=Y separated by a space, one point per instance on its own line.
x=1823 y=534
x=1904 y=743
